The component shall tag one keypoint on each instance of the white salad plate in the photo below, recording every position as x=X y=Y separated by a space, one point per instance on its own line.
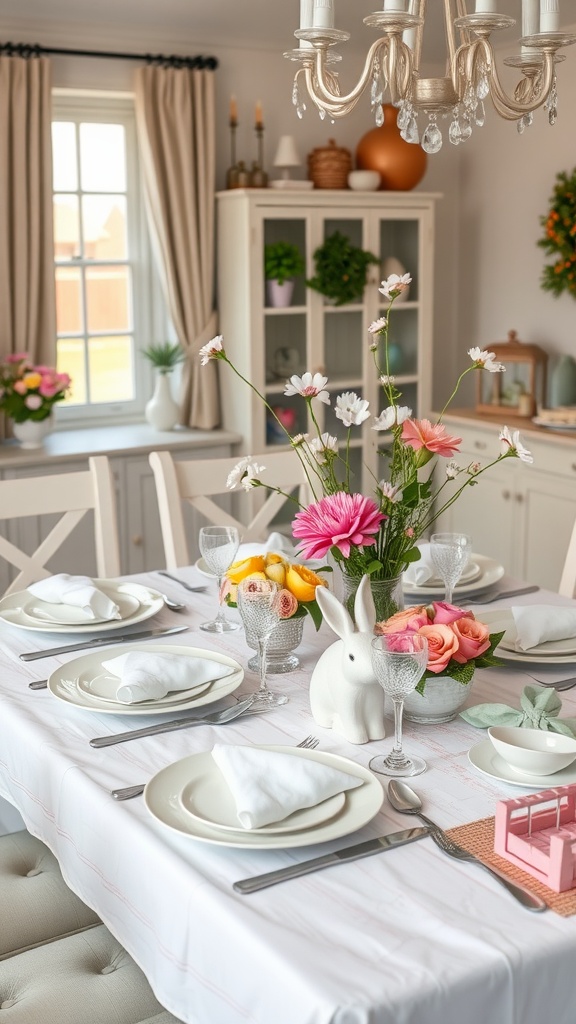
x=208 y=799
x=69 y=683
x=163 y=791
x=485 y=759
x=553 y=424
x=487 y=572
x=553 y=652
x=104 y=687
x=136 y=603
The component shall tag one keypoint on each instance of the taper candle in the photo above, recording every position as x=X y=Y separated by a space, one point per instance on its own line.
x=259 y=121
x=233 y=111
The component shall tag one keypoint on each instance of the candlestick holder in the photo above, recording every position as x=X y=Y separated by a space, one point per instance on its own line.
x=258 y=176
x=232 y=172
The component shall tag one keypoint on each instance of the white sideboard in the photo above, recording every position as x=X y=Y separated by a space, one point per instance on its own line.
x=521 y=514
x=128 y=448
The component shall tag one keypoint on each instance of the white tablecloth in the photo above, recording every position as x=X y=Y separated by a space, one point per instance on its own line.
x=409 y=937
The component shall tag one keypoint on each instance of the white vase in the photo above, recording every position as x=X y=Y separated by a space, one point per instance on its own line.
x=441 y=701
x=31 y=433
x=162 y=411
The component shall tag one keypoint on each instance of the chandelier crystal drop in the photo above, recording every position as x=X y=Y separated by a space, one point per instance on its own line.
x=392 y=66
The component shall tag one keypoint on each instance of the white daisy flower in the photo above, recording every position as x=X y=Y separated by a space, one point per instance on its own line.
x=351 y=409
x=394 y=415
x=320 y=445
x=394 y=494
x=308 y=386
x=211 y=350
x=452 y=470
x=485 y=360
x=378 y=325
x=395 y=285
x=245 y=473
x=510 y=444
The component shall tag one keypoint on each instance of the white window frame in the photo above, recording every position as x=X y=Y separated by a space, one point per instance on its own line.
x=150 y=318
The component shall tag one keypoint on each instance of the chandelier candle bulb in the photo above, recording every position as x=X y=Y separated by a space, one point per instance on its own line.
x=549 y=15
x=323 y=14
x=530 y=17
x=395 y=5
x=306 y=8
x=485 y=6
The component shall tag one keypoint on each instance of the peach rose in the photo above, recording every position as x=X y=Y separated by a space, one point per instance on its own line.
x=445 y=614
x=442 y=646
x=410 y=618
x=473 y=639
x=287 y=604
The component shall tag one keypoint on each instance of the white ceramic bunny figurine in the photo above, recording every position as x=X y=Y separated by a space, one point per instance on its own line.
x=344 y=693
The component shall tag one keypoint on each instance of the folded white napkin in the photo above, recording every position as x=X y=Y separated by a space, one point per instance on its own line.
x=148 y=676
x=268 y=785
x=419 y=573
x=77 y=591
x=537 y=623
x=276 y=542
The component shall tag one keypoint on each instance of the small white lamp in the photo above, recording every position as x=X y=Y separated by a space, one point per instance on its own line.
x=287 y=157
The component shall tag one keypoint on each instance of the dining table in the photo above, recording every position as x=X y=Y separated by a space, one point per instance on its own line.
x=409 y=936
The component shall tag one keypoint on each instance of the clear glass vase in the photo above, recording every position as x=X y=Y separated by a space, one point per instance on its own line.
x=441 y=701
x=388 y=595
x=284 y=639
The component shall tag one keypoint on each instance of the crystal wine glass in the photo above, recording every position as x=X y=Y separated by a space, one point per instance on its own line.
x=450 y=554
x=259 y=607
x=399 y=659
x=218 y=547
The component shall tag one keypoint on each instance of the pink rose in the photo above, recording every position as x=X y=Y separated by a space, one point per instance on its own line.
x=287 y=604
x=473 y=639
x=411 y=618
x=447 y=613
x=442 y=646
x=20 y=387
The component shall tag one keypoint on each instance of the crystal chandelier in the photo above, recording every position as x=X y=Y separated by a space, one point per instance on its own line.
x=393 y=65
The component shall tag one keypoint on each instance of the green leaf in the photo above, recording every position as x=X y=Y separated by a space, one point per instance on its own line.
x=314 y=612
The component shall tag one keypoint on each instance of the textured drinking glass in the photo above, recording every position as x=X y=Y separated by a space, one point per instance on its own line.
x=259 y=607
x=218 y=547
x=399 y=660
x=450 y=554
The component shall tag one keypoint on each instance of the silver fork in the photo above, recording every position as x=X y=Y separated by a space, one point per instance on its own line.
x=129 y=791
x=187 y=586
x=561 y=684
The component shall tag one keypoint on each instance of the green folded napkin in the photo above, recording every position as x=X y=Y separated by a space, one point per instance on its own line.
x=540 y=707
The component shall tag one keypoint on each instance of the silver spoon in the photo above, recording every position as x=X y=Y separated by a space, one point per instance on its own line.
x=174 y=606
x=406 y=801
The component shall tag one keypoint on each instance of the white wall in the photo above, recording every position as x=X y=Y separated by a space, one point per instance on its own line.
x=494 y=188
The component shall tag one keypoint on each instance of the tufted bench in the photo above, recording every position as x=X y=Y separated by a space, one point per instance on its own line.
x=58 y=963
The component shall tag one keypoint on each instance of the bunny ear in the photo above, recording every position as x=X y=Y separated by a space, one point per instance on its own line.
x=364 y=610
x=334 y=613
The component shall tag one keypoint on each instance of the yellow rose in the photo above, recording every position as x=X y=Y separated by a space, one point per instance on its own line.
x=32 y=380
x=276 y=572
x=302 y=582
x=247 y=567
x=273 y=559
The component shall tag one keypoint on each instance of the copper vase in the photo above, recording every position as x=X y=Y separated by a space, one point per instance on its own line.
x=401 y=164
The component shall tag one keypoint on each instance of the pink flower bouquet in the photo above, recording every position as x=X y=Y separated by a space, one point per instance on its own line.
x=457 y=642
x=29 y=392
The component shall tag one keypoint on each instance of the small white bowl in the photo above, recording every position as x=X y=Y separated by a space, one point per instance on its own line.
x=364 y=181
x=533 y=751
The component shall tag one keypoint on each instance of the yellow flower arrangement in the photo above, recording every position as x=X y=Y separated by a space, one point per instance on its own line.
x=297 y=582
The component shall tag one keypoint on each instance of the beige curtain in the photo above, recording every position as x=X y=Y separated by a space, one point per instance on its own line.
x=27 y=290
x=175 y=119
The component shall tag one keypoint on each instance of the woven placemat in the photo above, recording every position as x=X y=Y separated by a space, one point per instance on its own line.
x=478 y=837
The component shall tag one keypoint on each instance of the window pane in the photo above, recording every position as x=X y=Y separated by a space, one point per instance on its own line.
x=69 y=318
x=108 y=299
x=104 y=224
x=71 y=359
x=111 y=366
x=102 y=158
x=66 y=228
x=64 y=161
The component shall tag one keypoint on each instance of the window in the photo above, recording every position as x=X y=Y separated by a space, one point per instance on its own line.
x=105 y=284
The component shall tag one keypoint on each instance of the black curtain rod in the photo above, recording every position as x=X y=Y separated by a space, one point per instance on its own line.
x=26 y=50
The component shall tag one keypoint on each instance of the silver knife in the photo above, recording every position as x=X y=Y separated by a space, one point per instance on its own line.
x=489 y=597
x=407 y=835
x=102 y=641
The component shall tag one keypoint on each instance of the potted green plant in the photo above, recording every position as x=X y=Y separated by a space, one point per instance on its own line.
x=162 y=411
x=341 y=269
x=283 y=262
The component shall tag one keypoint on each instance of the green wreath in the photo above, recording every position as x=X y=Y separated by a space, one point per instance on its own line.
x=560 y=237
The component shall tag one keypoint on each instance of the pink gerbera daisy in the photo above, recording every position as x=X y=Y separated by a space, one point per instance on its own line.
x=339 y=520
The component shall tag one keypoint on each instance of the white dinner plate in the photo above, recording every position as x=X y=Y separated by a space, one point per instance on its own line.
x=484 y=757
x=490 y=571
x=104 y=687
x=553 y=424
x=471 y=573
x=162 y=799
x=503 y=619
x=67 y=683
x=208 y=799
x=148 y=603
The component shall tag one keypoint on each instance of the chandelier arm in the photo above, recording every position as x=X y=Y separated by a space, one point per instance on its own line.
x=510 y=109
x=334 y=108
x=320 y=91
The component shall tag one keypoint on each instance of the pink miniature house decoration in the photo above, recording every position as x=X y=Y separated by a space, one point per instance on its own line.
x=538 y=834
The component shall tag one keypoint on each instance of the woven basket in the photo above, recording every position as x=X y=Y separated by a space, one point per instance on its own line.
x=329 y=166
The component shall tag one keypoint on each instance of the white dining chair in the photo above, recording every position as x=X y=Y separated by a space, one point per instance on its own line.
x=198 y=481
x=72 y=496
x=568 y=578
